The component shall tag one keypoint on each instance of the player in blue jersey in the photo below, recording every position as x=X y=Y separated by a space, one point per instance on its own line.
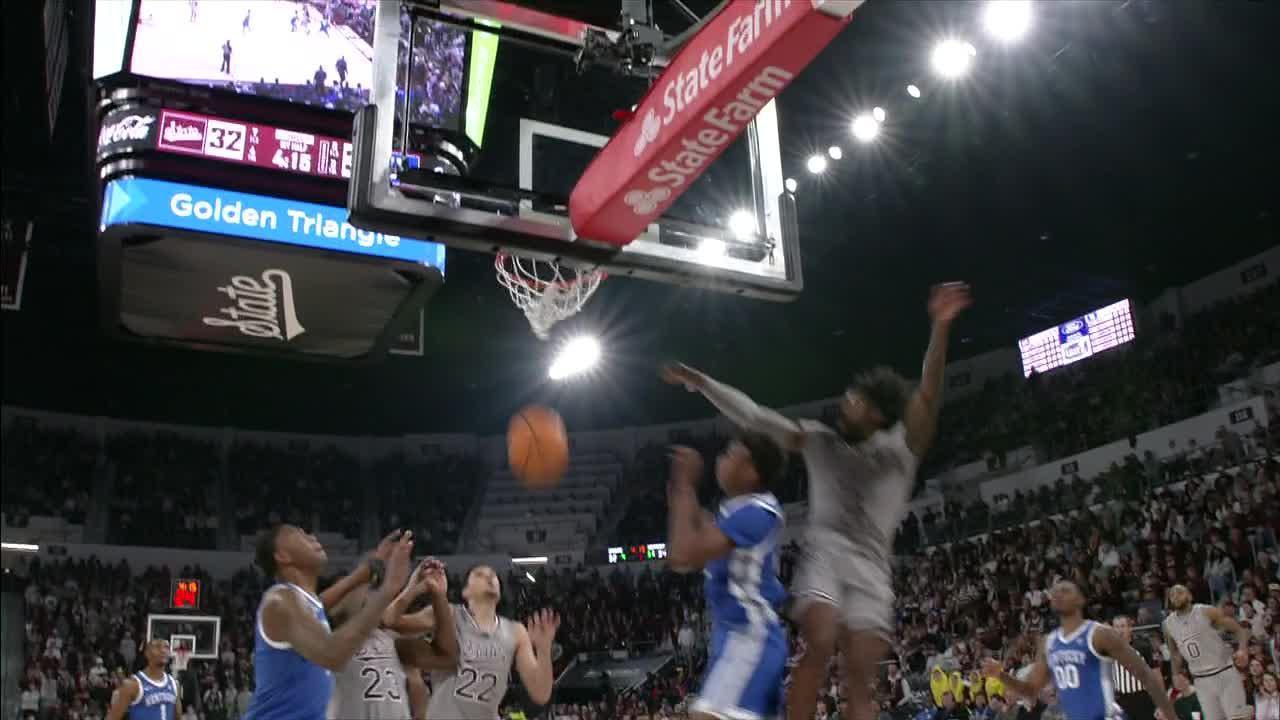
x=294 y=650
x=738 y=551
x=1077 y=658
x=151 y=693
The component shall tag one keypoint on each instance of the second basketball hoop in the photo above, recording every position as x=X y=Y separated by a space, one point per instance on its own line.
x=544 y=290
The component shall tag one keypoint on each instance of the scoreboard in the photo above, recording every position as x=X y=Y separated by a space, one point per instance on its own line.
x=185 y=594
x=637 y=553
x=1077 y=339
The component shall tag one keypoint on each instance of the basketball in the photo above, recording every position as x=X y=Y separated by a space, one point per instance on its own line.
x=537 y=446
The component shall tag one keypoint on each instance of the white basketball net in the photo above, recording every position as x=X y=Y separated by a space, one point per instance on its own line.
x=546 y=292
x=181 y=657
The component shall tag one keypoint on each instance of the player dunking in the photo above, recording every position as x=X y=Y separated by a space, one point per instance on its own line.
x=1194 y=635
x=861 y=475
x=294 y=650
x=739 y=550
x=150 y=694
x=488 y=643
x=1077 y=659
x=374 y=684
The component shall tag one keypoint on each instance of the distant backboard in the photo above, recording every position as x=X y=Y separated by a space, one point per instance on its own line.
x=201 y=633
x=535 y=111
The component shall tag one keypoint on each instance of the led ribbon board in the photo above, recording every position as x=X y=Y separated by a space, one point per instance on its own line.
x=703 y=101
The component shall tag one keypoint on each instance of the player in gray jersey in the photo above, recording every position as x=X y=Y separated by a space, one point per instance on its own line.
x=374 y=684
x=861 y=474
x=1193 y=633
x=488 y=644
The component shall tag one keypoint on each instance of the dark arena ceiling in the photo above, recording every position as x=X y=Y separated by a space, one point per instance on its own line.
x=1120 y=148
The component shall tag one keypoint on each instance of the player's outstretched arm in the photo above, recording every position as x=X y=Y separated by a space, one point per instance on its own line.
x=362 y=575
x=125 y=694
x=740 y=409
x=442 y=652
x=533 y=654
x=1029 y=688
x=1225 y=623
x=946 y=301
x=286 y=620
x=1112 y=644
x=692 y=541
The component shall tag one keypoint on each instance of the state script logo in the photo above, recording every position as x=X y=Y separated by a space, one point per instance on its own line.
x=263 y=308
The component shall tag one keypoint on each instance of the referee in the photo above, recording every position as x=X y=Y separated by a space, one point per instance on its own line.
x=1130 y=695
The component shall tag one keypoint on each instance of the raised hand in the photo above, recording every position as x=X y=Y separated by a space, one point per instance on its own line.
x=398 y=563
x=388 y=543
x=542 y=626
x=435 y=578
x=681 y=374
x=947 y=300
x=686 y=468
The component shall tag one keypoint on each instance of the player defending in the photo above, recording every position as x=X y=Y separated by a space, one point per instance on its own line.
x=1194 y=634
x=150 y=694
x=294 y=651
x=1077 y=658
x=861 y=475
x=739 y=550
x=375 y=682
x=489 y=643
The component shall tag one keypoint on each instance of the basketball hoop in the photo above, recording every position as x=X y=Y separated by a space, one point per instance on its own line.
x=544 y=290
x=181 y=657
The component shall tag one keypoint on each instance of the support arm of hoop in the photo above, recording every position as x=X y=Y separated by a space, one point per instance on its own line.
x=718 y=82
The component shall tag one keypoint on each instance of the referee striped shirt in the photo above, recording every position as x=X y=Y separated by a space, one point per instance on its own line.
x=1124 y=681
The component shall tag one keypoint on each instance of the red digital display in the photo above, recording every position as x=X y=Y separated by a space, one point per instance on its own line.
x=249 y=143
x=186 y=593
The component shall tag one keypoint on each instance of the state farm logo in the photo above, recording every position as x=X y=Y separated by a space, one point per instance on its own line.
x=182 y=134
x=648 y=132
x=132 y=128
x=264 y=308
x=646 y=202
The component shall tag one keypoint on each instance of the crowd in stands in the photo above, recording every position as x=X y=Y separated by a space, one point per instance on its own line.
x=165 y=490
x=47 y=473
x=432 y=500
x=300 y=484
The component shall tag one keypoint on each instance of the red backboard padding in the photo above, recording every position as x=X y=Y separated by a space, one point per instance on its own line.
x=704 y=100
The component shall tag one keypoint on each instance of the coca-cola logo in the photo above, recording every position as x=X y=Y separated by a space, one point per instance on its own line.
x=133 y=128
x=181 y=133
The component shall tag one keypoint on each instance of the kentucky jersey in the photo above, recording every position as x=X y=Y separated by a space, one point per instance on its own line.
x=474 y=690
x=289 y=687
x=1082 y=676
x=156 y=700
x=748 y=644
x=372 y=685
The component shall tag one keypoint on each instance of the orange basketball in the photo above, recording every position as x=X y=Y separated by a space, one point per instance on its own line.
x=537 y=446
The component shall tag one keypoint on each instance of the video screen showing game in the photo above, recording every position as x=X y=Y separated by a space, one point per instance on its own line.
x=318 y=52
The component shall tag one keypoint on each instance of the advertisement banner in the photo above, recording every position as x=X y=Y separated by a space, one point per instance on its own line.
x=126 y=130
x=256 y=217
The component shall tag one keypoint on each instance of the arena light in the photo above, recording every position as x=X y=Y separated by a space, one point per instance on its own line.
x=576 y=357
x=878 y=113
x=19 y=547
x=536 y=560
x=865 y=128
x=712 y=247
x=835 y=152
x=952 y=58
x=1007 y=20
x=742 y=223
x=529 y=575
x=913 y=91
x=817 y=164
x=791 y=185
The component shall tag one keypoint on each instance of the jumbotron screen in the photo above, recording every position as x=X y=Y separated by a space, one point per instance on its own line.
x=1077 y=339
x=317 y=52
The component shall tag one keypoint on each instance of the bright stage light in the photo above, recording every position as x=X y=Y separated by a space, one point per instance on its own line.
x=878 y=113
x=791 y=185
x=817 y=164
x=952 y=58
x=865 y=128
x=577 y=356
x=835 y=152
x=1007 y=20
x=913 y=91
x=742 y=223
